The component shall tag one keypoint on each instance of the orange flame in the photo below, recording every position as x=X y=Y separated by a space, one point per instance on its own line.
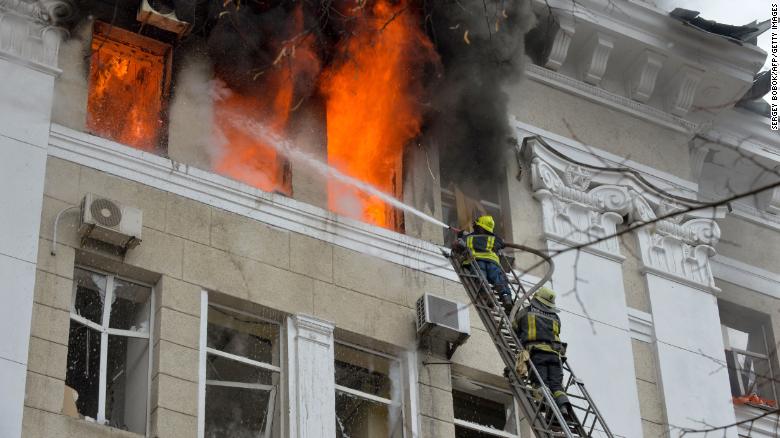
x=372 y=111
x=244 y=156
x=127 y=84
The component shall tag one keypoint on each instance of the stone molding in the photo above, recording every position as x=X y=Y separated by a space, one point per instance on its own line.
x=239 y=198
x=314 y=329
x=616 y=101
x=641 y=325
x=643 y=74
x=596 y=57
x=30 y=32
x=582 y=204
x=561 y=42
x=684 y=85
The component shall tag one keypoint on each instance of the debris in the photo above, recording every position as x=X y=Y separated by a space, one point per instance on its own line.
x=738 y=34
x=466 y=37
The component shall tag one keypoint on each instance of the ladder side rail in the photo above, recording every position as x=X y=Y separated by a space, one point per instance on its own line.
x=520 y=303
x=535 y=416
x=507 y=353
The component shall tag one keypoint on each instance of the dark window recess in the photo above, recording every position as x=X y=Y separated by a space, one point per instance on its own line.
x=83 y=369
x=479 y=410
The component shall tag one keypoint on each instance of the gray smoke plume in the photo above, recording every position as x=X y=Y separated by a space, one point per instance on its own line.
x=481 y=44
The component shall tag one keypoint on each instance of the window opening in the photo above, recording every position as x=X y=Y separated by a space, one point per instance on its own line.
x=108 y=350
x=368 y=394
x=129 y=78
x=746 y=338
x=482 y=411
x=458 y=210
x=242 y=375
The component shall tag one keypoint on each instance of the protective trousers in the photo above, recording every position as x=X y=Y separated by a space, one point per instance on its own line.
x=495 y=276
x=550 y=370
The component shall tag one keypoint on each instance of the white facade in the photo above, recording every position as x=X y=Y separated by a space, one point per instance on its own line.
x=621 y=88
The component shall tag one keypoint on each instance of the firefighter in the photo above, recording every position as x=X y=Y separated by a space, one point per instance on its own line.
x=484 y=245
x=539 y=328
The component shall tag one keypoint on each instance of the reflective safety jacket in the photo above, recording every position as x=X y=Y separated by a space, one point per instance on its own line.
x=539 y=329
x=484 y=246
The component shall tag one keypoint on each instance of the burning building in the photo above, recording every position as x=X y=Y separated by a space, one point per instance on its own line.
x=220 y=216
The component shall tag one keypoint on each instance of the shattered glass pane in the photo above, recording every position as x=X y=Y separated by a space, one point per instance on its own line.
x=90 y=294
x=493 y=409
x=223 y=369
x=363 y=371
x=82 y=374
x=360 y=418
x=243 y=335
x=239 y=412
x=127 y=376
x=130 y=307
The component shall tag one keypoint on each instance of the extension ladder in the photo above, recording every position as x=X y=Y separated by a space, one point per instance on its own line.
x=542 y=413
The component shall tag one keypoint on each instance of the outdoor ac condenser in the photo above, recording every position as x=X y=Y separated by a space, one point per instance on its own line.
x=110 y=222
x=443 y=319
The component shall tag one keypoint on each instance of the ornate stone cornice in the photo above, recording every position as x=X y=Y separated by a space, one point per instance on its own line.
x=582 y=204
x=30 y=31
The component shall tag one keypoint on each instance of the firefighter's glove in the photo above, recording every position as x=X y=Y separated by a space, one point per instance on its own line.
x=521 y=364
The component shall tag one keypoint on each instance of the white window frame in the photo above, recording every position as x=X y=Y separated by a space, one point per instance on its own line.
x=205 y=350
x=374 y=398
x=484 y=429
x=105 y=331
x=734 y=351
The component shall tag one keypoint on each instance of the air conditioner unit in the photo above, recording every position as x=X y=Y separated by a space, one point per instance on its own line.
x=162 y=16
x=443 y=319
x=110 y=222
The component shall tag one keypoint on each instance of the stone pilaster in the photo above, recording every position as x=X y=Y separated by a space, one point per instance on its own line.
x=311 y=389
x=29 y=41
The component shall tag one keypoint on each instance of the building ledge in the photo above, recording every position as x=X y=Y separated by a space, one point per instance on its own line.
x=236 y=197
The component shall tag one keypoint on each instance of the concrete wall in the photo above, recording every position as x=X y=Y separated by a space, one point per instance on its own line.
x=593 y=124
x=188 y=246
x=747 y=242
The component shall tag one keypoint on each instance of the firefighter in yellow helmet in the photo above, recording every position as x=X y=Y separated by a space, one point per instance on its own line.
x=538 y=327
x=484 y=245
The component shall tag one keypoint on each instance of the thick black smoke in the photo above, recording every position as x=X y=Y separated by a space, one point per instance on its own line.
x=481 y=44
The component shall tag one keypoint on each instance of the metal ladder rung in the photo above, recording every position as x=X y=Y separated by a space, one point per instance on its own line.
x=544 y=416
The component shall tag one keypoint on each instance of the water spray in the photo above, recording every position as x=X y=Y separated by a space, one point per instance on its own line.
x=287 y=149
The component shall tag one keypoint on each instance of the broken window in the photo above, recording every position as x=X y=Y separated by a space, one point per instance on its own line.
x=129 y=76
x=747 y=338
x=482 y=411
x=459 y=210
x=368 y=394
x=242 y=375
x=108 y=351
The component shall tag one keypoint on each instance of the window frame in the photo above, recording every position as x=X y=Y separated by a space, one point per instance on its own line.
x=734 y=352
x=204 y=350
x=105 y=331
x=479 y=427
x=375 y=398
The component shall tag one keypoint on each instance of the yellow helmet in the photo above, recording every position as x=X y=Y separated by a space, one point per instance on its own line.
x=486 y=222
x=545 y=296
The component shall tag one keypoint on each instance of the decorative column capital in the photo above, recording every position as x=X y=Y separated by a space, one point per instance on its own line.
x=584 y=203
x=30 y=32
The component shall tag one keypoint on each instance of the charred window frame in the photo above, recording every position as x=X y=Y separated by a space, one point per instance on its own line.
x=449 y=212
x=483 y=411
x=747 y=337
x=128 y=87
x=109 y=366
x=240 y=373
x=369 y=386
